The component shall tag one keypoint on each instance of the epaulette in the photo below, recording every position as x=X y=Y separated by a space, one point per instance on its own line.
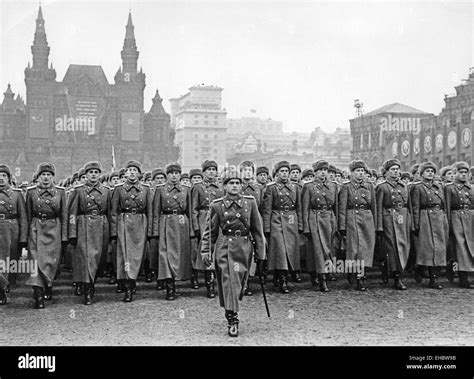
x=78 y=185
x=60 y=187
x=218 y=199
x=449 y=184
x=270 y=184
x=119 y=184
x=146 y=185
x=248 y=196
x=16 y=189
x=160 y=185
x=346 y=181
x=31 y=187
x=105 y=186
x=418 y=182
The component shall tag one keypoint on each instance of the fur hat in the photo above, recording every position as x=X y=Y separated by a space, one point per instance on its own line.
x=207 y=163
x=173 y=167
x=81 y=172
x=229 y=175
x=414 y=168
x=157 y=171
x=4 y=168
x=405 y=174
x=113 y=175
x=426 y=165
x=307 y=172
x=135 y=164
x=444 y=170
x=332 y=168
x=92 y=166
x=280 y=165
x=184 y=175
x=391 y=162
x=45 y=167
x=247 y=164
x=147 y=176
x=195 y=172
x=461 y=166
x=263 y=170
x=357 y=164
x=320 y=165
x=295 y=166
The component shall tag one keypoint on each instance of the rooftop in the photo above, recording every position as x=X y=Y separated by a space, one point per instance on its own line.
x=395 y=108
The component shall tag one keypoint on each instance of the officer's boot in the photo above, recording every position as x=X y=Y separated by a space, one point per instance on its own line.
x=148 y=274
x=276 y=279
x=87 y=294
x=433 y=272
x=78 y=289
x=7 y=289
x=384 y=271
x=48 y=293
x=398 y=284
x=160 y=285
x=314 y=278
x=450 y=271
x=3 y=296
x=248 y=290
x=418 y=273
x=211 y=293
x=133 y=286
x=361 y=283
x=120 y=286
x=38 y=295
x=350 y=278
x=128 y=291
x=194 y=280
x=296 y=276
x=170 y=289
x=331 y=277
x=323 y=287
x=232 y=323
x=113 y=277
x=283 y=282
x=464 y=280
x=92 y=285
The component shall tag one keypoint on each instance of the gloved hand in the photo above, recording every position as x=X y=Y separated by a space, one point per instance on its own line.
x=260 y=266
x=73 y=241
x=416 y=232
x=113 y=238
x=379 y=233
x=22 y=245
x=343 y=233
x=207 y=259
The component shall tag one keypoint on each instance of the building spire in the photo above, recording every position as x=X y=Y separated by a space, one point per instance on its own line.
x=40 y=48
x=129 y=51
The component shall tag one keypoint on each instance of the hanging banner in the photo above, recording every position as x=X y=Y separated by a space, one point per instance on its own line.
x=439 y=143
x=405 y=148
x=427 y=144
x=466 y=137
x=416 y=146
x=452 y=138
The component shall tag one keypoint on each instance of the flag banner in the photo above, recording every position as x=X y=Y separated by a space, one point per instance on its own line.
x=130 y=126
x=39 y=123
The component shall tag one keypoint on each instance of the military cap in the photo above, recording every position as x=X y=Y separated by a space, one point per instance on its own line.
x=135 y=164
x=320 y=165
x=332 y=168
x=263 y=170
x=173 y=167
x=307 y=172
x=82 y=172
x=373 y=172
x=184 y=175
x=247 y=164
x=229 y=175
x=113 y=175
x=295 y=166
x=45 y=167
x=207 y=164
x=94 y=165
x=4 y=168
x=357 y=163
x=75 y=176
x=24 y=184
x=391 y=162
x=426 y=165
x=405 y=174
x=444 y=170
x=280 y=165
x=147 y=175
x=414 y=168
x=157 y=171
x=122 y=171
x=195 y=172
x=461 y=166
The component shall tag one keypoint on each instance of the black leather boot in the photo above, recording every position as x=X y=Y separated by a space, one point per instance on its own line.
x=464 y=280
x=194 y=280
x=133 y=286
x=384 y=271
x=276 y=279
x=361 y=283
x=450 y=271
x=170 y=289
x=331 y=277
x=3 y=296
x=38 y=295
x=211 y=293
x=148 y=276
x=48 y=293
x=323 y=287
x=295 y=275
x=78 y=289
x=433 y=272
x=418 y=273
x=398 y=284
x=160 y=285
x=232 y=323
x=314 y=278
x=7 y=288
x=120 y=286
x=350 y=278
x=248 y=290
x=92 y=290
x=128 y=292
x=87 y=294
x=283 y=282
x=113 y=278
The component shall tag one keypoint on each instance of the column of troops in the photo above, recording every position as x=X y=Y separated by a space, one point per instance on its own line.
x=230 y=226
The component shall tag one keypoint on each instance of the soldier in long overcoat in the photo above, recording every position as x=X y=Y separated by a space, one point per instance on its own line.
x=171 y=224
x=282 y=221
x=226 y=244
x=357 y=221
x=113 y=180
x=13 y=226
x=393 y=220
x=202 y=195
x=46 y=210
x=131 y=213
x=459 y=197
x=430 y=223
x=89 y=209
x=195 y=177
x=158 y=177
x=319 y=206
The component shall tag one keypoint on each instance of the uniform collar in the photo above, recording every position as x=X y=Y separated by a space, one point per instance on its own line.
x=90 y=187
x=288 y=184
x=251 y=183
x=358 y=184
x=228 y=201
x=394 y=182
x=128 y=185
x=460 y=185
x=171 y=186
x=210 y=182
x=320 y=182
x=7 y=190
x=42 y=190
x=429 y=184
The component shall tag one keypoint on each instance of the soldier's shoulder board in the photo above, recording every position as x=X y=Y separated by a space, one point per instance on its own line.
x=31 y=188
x=119 y=185
x=160 y=185
x=249 y=197
x=218 y=200
x=16 y=189
x=270 y=184
x=106 y=186
x=449 y=184
x=146 y=185
x=78 y=185
x=60 y=187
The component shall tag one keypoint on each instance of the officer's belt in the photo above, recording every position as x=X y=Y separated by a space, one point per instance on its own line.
x=286 y=208
x=464 y=207
x=173 y=212
x=133 y=211
x=435 y=207
x=4 y=216
x=43 y=217
x=203 y=208
x=397 y=206
x=360 y=207
x=235 y=233
x=93 y=212
x=322 y=207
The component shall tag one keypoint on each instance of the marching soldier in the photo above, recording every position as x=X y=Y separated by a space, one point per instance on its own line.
x=195 y=176
x=13 y=226
x=460 y=211
x=295 y=173
x=262 y=176
x=184 y=180
x=430 y=223
x=113 y=180
x=235 y=217
x=171 y=224
x=89 y=207
x=282 y=221
x=307 y=176
x=203 y=194
x=356 y=220
x=447 y=174
x=46 y=210
x=393 y=221
x=131 y=226
x=319 y=206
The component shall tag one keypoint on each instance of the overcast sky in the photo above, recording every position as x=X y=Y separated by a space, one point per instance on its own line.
x=302 y=63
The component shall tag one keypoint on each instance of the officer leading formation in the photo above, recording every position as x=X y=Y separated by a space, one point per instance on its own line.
x=237 y=223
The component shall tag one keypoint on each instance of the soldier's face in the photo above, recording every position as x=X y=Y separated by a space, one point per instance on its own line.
x=247 y=173
x=160 y=179
x=196 y=179
x=428 y=174
x=233 y=187
x=93 y=176
x=308 y=178
x=406 y=180
x=262 y=178
x=46 y=178
x=114 y=181
x=283 y=173
x=321 y=173
x=83 y=179
x=449 y=176
x=148 y=180
x=330 y=175
x=338 y=177
x=173 y=176
x=186 y=182
x=210 y=172
x=394 y=171
x=3 y=179
x=462 y=175
x=359 y=174
x=132 y=173
x=295 y=175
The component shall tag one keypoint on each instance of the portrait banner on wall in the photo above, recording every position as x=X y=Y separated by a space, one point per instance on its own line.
x=466 y=137
x=452 y=139
x=439 y=143
x=405 y=148
x=39 y=123
x=416 y=146
x=427 y=144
